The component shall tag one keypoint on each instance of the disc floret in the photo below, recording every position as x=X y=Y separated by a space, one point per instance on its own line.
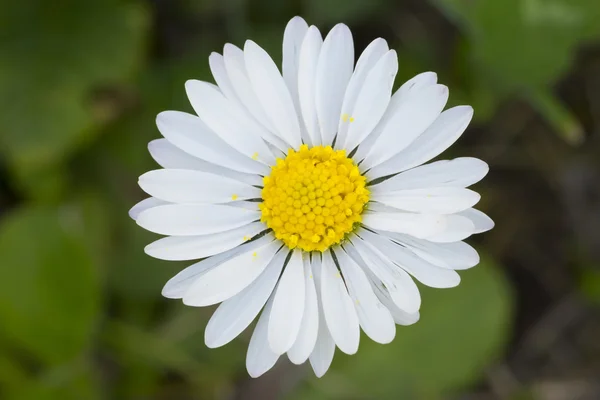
x=313 y=198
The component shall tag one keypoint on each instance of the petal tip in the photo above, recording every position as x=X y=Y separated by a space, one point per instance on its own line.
x=211 y=342
x=133 y=213
x=297 y=20
x=191 y=84
x=319 y=369
x=250 y=45
x=254 y=373
x=313 y=29
x=168 y=293
x=149 y=250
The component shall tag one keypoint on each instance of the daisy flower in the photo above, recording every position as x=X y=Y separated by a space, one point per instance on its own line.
x=304 y=197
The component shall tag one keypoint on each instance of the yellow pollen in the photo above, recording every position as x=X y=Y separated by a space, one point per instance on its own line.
x=255 y=156
x=313 y=198
x=234 y=197
x=346 y=118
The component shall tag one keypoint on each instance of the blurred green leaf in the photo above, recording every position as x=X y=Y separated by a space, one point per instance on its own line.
x=188 y=327
x=134 y=274
x=557 y=115
x=12 y=375
x=54 y=55
x=140 y=345
x=49 y=284
x=522 y=46
x=91 y=214
x=47 y=185
x=461 y=331
x=68 y=382
x=177 y=346
x=524 y=43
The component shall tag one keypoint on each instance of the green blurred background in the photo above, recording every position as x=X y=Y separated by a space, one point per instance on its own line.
x=81 y=315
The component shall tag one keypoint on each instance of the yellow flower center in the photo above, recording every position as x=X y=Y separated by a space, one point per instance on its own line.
x=313 y=198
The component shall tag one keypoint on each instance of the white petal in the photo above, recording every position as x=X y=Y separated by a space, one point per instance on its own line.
x=245 y=98
x=309 y=328
x=272 y=93
x=167 y=155
x=194 y=219
x=288 y=306
x=398 y=99
x=177 y=248
x=176 y=287
x=235 y=66
x=411 y=119
x=322 y=355
x=442 y=133
x=143 y=205
x=425 y=272
x=367 y=60
x=400 y=285
x=219 y=72
x=191 y=135
x=376 y=208
x=460 y=172
x=307 y=71
x=234 y=315
x=293 y=36
x=338 y=308
x=457 y=228
x=416 y=83
x=231 y=277
x=374 y=317
x=228 y=121
x=246 y=205
x=189 y=186
x=401 y=317
x=482 y=222
x=418 y=225
x=406 y=93
x=372 y=101
x=434 y=200
x=456 y=255
x=181 y=186
x=334 y=70
x=260 y=358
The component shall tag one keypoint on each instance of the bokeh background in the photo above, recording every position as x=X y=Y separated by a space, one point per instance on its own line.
x=81 y=316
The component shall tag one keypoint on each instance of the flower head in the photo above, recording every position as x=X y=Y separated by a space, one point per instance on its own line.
x=303 y=195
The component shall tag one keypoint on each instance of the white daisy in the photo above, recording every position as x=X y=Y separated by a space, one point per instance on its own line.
x=304 y=195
